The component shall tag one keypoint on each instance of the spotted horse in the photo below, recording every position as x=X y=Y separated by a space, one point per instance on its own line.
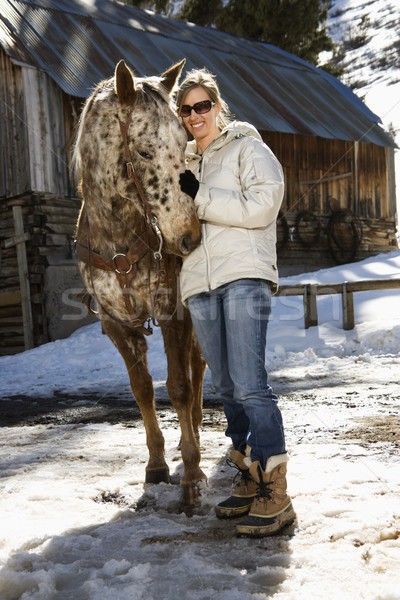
x=134 y=223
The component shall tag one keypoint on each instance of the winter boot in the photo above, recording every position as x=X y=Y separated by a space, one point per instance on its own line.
x=244 y=491
x=272 y=508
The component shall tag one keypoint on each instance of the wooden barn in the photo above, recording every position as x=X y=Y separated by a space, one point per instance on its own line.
x=339 y=203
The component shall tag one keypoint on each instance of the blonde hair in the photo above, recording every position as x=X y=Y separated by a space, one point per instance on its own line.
x=203 y=78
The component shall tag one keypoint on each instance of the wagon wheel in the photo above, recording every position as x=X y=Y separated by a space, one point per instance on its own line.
x=344 y=236
x=282 y=232
x=307 y=240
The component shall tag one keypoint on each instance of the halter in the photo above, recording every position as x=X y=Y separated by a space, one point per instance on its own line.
x=125 y=265
x=151 y=219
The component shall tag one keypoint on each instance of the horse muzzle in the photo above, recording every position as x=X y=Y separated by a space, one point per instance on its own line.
x=189 y=243
x=191 y=238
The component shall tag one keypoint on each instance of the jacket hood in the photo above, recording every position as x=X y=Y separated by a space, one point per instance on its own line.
x=234 y=130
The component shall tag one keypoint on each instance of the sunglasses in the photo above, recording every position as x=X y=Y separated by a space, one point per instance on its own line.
x=200 y=108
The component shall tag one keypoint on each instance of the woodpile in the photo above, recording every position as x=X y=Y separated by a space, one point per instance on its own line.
x=48 y=224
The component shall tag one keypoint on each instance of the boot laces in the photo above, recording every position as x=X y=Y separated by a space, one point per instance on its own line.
x=264 y=490
x=241 y=473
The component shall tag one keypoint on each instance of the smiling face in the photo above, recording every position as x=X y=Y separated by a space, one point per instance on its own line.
x=203 y=127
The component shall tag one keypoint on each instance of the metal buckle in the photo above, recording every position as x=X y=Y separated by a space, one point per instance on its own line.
x=157 y=254
x=124 y=271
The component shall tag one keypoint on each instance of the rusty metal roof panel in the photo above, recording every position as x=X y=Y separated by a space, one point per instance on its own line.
x=79 y=42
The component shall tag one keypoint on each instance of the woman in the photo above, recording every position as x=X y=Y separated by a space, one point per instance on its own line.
x=237 y=185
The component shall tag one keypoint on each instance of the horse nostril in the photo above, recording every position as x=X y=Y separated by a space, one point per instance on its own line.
x=188 y=244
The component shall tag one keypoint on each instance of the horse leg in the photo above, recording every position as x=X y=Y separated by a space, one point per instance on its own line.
x=133 y=349
x=197 y=366
x=177 y=340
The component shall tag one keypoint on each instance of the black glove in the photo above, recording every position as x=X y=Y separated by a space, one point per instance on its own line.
x=189 y=184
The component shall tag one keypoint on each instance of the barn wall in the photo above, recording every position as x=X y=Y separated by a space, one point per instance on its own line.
x=14 y=153
x=37 y=122
x=323 y=177
x=32 y=132
x=45 y=125
x=321 y=172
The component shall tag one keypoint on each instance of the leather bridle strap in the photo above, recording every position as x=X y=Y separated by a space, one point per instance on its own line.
x=125 y=267
x=129 y=165
x=150 y=218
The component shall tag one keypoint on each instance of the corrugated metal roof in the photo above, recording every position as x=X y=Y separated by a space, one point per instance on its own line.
x=79 y=42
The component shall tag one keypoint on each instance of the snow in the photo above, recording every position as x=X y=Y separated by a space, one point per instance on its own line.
x=78 y=522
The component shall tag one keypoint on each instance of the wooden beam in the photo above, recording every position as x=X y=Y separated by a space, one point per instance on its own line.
x=310 y=291
x=390 y=182
x=325 y=179
x=23 y=278
x=310 y=305
x=326 y=289
x=348 y=308
x=10 y=298
x=15 y=240
x=356 y=181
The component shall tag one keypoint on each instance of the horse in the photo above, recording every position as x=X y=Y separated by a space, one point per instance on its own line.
x=134 y=227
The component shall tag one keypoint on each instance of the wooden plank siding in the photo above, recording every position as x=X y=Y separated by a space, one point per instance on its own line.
x=326 y=175
x=32 y=132
x=14 y=156
x=37 y=122
x=319 y=172
x=46 y=133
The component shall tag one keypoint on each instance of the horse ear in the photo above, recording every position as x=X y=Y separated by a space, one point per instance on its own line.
x=170 y=77
x=124 y=84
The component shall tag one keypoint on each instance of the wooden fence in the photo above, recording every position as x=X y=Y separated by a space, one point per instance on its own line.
x=310 y=291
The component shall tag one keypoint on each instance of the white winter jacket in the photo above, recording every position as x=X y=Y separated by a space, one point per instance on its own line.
x=240 y=193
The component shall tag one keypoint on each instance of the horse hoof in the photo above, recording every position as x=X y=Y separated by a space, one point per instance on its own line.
x=157 y=475
x=190 y=494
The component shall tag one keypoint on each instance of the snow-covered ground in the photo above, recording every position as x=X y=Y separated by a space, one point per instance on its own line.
x=77 y=522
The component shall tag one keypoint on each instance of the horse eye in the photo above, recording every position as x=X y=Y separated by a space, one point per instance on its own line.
x=145 y=154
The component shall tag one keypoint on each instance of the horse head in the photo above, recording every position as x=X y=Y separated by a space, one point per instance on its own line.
x=131 y=150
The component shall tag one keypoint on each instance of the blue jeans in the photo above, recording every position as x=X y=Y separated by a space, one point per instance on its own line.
x=231 y=327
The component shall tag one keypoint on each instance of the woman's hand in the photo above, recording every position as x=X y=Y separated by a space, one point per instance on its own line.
x=189 y=184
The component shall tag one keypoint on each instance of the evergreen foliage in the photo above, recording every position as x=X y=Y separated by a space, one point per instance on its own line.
x=297 y=26
x=159 y=6
x=202 y=12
